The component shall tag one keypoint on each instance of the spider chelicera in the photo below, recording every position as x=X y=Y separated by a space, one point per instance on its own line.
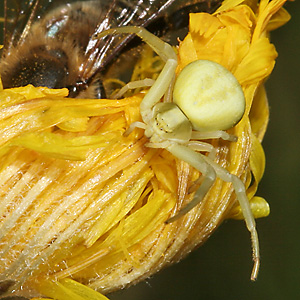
x=203 y=101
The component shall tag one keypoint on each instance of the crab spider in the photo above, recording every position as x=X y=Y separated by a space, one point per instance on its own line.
x=207 y=99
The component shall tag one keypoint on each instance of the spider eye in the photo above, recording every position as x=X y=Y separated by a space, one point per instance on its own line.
x=170 y=123
x=209 y=95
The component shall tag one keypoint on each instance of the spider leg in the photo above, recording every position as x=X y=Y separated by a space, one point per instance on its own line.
x=202 y=146
x=163 y=144
x=134 y=125
x=169 y=93
x=245 y=206
x=196 y=160
x=158 y=89
x=213 y=135
x=134 y=85
x=165 y=78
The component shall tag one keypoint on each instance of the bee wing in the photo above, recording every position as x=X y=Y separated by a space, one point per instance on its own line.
x=99 y=52
x=19 y=16
x=15 y=17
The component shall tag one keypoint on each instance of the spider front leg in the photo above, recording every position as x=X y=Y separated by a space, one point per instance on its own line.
x=133 y=85
x=166 y=76
x=197 y=135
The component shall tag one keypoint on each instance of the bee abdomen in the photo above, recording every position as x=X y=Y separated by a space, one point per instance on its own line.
x=43 y=67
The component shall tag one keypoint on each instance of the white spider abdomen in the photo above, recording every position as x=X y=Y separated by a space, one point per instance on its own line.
x=209 y=95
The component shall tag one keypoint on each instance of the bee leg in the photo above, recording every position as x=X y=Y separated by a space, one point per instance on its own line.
x=99 y=89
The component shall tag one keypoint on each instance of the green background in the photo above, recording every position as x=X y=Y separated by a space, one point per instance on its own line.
x=221 y=268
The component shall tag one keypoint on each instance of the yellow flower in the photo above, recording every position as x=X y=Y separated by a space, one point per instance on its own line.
x=79 y=200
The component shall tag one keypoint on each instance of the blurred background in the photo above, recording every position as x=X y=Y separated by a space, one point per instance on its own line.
x=220 y=269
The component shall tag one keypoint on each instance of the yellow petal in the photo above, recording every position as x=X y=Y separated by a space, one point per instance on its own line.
x=278 y=19
x=259 y=113
x=259 y=207
x=74 y=125
x=227 y=4
x=267 y=9
x=57 y=146
x=257 y=164
x=67 y=289
x=258 y=63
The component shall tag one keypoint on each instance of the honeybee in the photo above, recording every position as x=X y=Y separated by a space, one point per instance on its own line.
x=52 y=43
